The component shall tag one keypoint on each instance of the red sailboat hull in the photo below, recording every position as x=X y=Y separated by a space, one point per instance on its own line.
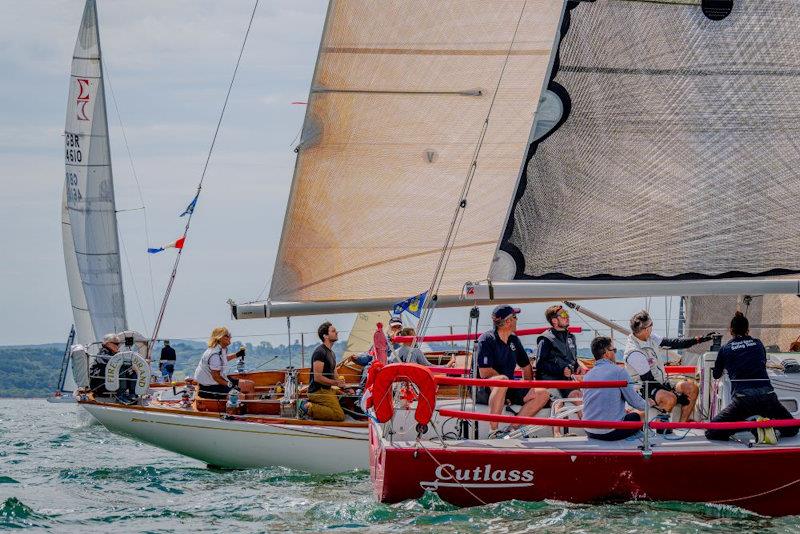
x=765 y=481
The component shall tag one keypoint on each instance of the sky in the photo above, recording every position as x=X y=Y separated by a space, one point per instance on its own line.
x=168 y=66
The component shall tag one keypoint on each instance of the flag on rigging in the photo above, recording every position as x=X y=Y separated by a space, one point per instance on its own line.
x=411 y=305
x=178 y=243
x=190 y=208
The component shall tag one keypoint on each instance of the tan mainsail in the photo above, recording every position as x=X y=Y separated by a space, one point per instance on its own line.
x=398 y=103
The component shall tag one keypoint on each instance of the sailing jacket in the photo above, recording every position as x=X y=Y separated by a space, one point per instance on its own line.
x=557 y=349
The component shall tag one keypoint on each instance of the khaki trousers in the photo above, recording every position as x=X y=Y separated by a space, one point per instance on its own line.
x=323 y=405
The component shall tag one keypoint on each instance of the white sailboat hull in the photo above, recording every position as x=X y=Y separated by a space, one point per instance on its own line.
x=241 y=444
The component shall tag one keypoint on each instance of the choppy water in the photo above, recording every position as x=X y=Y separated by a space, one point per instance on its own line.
x=60 y=474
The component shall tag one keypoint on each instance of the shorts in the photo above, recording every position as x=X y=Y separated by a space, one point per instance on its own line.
x=514 y=396
x=216 y=391
x=683 y=399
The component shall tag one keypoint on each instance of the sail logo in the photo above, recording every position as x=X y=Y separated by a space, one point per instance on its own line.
x=83 y=98
x=449 y=476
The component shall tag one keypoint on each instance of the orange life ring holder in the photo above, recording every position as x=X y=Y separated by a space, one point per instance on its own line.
x=421 y=376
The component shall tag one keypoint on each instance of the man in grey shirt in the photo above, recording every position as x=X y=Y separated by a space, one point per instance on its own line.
x=405 y=354
x=608 y=404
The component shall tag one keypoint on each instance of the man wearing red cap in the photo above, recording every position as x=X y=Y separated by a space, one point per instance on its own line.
x=499 y=352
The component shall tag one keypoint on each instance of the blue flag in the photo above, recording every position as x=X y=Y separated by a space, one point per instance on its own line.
x=411 y=305
x=190 y=208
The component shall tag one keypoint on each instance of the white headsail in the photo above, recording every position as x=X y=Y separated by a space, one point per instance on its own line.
x=91 y=245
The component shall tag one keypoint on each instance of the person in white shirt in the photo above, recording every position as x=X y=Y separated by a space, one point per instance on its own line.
x=645 y=360
x=210 y=373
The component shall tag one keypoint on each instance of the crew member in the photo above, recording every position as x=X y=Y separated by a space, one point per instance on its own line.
x=167 y=362
x=745 y=360
x=97 y=372
x=322 y=403
x=608 y=404
x=557 y=352
x=406 y=354
x=210 y=374
x=645 y=359
x=499 y=351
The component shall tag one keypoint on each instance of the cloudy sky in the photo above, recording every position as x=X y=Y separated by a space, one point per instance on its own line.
x=168 y=65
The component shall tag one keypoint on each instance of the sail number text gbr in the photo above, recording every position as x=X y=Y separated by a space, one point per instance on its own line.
x=73 y=155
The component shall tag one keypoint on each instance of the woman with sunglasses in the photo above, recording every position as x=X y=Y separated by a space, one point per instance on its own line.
x=210 y=373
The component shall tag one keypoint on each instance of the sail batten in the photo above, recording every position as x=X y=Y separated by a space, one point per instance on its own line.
x=400 y=99
x=91 y=243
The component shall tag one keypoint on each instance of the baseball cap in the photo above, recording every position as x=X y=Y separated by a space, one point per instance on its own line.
x=395 y=320
x=504 y=310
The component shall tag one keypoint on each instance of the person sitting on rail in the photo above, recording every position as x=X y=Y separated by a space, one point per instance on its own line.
x=499 y=352
x=745 y=360
x=210 y=374
x=406 y=354
x=322 y=403
x=97 y=372
x=557 y=353
x=608 y=404
x=645 y=359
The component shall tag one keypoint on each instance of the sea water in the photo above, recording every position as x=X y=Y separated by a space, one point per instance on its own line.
x=60 y=473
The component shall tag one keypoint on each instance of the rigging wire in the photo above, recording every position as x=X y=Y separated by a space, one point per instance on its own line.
x=133 y=283
x=458 y=214
x=171 y=281
x=143 y=207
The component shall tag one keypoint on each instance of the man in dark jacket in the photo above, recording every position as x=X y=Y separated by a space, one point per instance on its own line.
x=167 y=361
x=745 y=360
x=557 y=352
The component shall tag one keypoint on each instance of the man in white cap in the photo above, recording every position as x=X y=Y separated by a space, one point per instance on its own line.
x=499 y=352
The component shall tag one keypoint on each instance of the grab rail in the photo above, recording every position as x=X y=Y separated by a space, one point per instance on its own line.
x=731 y=425
x=541 y=421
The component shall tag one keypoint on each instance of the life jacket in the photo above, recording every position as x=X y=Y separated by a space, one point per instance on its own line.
x=563 y=351
x=654 y=354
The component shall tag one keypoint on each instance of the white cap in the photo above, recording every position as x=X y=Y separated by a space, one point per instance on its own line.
x=111 y=338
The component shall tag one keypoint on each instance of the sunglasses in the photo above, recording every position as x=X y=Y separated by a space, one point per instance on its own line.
x=611 y=349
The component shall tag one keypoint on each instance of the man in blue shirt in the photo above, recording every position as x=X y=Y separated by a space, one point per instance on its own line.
x=745 y=360
x=499 y=352
x=608 y=404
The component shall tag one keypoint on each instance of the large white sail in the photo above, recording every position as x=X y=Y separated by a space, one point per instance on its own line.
x=91 y=251
x=399 y=99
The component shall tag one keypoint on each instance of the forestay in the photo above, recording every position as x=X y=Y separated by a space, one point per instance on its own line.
x=677 y=155
x=91 y=246
x=397 y=107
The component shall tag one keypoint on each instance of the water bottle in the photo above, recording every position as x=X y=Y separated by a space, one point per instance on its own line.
x=233 y=398
x=240 y=365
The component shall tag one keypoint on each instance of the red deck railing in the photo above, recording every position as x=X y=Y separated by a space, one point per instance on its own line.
x=472 y=337
x=560 y=384
x=541 y=421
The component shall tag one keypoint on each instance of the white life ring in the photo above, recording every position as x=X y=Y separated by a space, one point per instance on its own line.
x=138 y=364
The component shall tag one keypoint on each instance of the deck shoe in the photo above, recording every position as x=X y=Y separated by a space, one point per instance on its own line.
x=663 y=418
x=498 y=434
x=302 y=409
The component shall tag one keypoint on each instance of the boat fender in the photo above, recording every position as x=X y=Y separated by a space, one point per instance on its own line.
x=139 y=366
x=381 y=399
x=80 y=365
